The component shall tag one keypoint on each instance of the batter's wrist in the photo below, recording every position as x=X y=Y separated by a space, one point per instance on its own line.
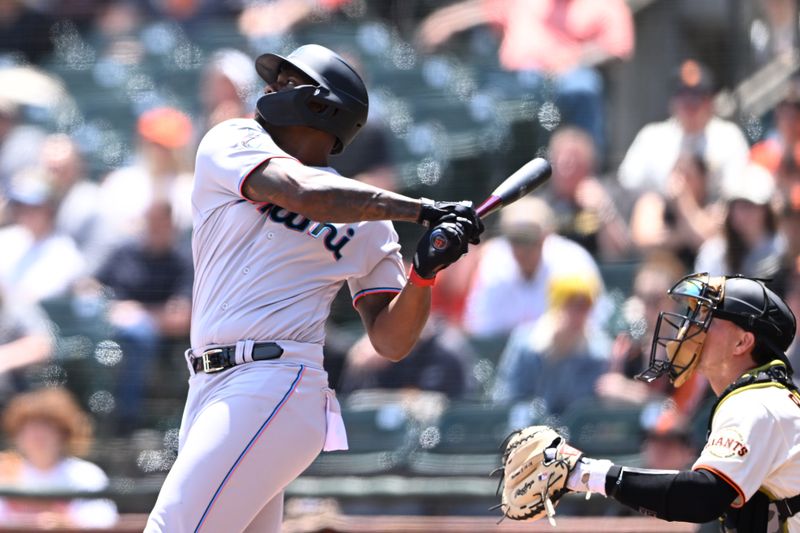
x=415 y=279
x=425 y=204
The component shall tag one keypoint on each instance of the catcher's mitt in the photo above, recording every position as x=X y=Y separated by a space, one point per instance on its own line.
x=536 y=464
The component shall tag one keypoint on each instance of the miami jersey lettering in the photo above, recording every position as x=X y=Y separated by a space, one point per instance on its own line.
x=302 y=263
x=297 y=222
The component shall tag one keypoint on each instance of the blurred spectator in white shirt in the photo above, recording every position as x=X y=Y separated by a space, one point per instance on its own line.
x=228 y=83
x=49 y=431
x=26 y=338
x=162 y=171
x=515 y=269
x=20 y=143
x=691 y=128
x=77 y=195
x=36 y=261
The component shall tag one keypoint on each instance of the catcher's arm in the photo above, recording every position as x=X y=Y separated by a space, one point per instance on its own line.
x=696 y=496
x=539 y=467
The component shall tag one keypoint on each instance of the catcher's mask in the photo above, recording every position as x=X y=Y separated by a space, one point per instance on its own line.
x=748 y=303
x=678 y=338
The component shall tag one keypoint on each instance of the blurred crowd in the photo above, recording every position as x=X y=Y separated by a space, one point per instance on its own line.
x=556 y=306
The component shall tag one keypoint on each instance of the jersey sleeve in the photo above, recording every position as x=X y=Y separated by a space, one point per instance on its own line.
x=743 y=445
x=383 y=267
x=227 y=155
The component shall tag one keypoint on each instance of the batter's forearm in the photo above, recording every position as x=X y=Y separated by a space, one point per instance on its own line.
x=398 y=326
x=321 y=195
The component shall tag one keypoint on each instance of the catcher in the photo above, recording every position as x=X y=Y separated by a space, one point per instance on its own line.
x=735 y=331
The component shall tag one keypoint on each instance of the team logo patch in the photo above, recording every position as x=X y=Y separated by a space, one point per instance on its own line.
x=727 y=442
x=255 y=141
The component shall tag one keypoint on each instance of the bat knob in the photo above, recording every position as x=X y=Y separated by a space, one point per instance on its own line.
x=439 y=240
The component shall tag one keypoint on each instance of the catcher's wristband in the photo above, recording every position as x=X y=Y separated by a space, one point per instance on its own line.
x=418 y=280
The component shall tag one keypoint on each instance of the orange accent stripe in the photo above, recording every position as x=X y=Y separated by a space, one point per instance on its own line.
x=365 y=292
x=727 y=480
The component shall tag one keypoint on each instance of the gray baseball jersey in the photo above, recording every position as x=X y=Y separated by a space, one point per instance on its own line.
x=265 y=273
x=262 y=273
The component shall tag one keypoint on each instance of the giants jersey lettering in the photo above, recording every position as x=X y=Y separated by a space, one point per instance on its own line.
x=261 y=271
x=755 y=442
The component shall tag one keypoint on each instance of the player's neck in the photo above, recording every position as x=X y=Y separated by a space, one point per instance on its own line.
x=311 y=147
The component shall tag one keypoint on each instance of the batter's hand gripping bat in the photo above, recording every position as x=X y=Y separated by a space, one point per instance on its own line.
x=528 y=178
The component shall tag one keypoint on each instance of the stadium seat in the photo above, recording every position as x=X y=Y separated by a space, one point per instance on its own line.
x=379 y=439
x=467 y=439
x=604 y=428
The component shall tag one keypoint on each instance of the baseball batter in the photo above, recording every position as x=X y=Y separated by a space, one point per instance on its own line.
x=735 y=331
x=276 y=234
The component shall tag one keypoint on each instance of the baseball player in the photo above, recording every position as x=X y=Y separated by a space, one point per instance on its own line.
x=734 y=331
x=276 y=233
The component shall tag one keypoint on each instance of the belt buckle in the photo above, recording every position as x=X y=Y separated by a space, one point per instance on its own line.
x=212 y=361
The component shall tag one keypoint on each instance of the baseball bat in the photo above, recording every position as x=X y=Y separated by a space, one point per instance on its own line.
x=527 y=178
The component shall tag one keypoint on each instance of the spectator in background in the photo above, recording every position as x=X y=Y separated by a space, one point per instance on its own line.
x=368 y=158
x=750 y=243
x=36 y=261
x=24 y=31
x=25 y=339
x=77 y=195
x=559 y=357
x=441 y=361
x=49 y=433
x=20 y=143
x=682 y=217
x=194 y=16
x=630 y=350
x=162 y=171
x=691 y=128
x=511 y=281
x=779 y=152
x=668 y=443
x=572 y=37
x=792 y=297
x=150 y=284
x=584 y=209
x=283 y=15
x=227 y=82
x=789 y=227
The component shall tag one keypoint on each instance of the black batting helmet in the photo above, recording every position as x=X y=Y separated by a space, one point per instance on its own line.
x=339 y=89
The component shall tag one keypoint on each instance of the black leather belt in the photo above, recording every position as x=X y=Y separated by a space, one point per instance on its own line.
x=224 y=357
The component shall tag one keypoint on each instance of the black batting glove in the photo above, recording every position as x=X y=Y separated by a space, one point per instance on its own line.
x=430 y=259
x=432 y=213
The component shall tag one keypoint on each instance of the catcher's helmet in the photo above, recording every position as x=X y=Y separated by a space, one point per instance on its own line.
x=748 y=303
x=338 y=87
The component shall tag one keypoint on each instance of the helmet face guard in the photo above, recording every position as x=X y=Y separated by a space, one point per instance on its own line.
x=341 y=103
x=679 y=337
